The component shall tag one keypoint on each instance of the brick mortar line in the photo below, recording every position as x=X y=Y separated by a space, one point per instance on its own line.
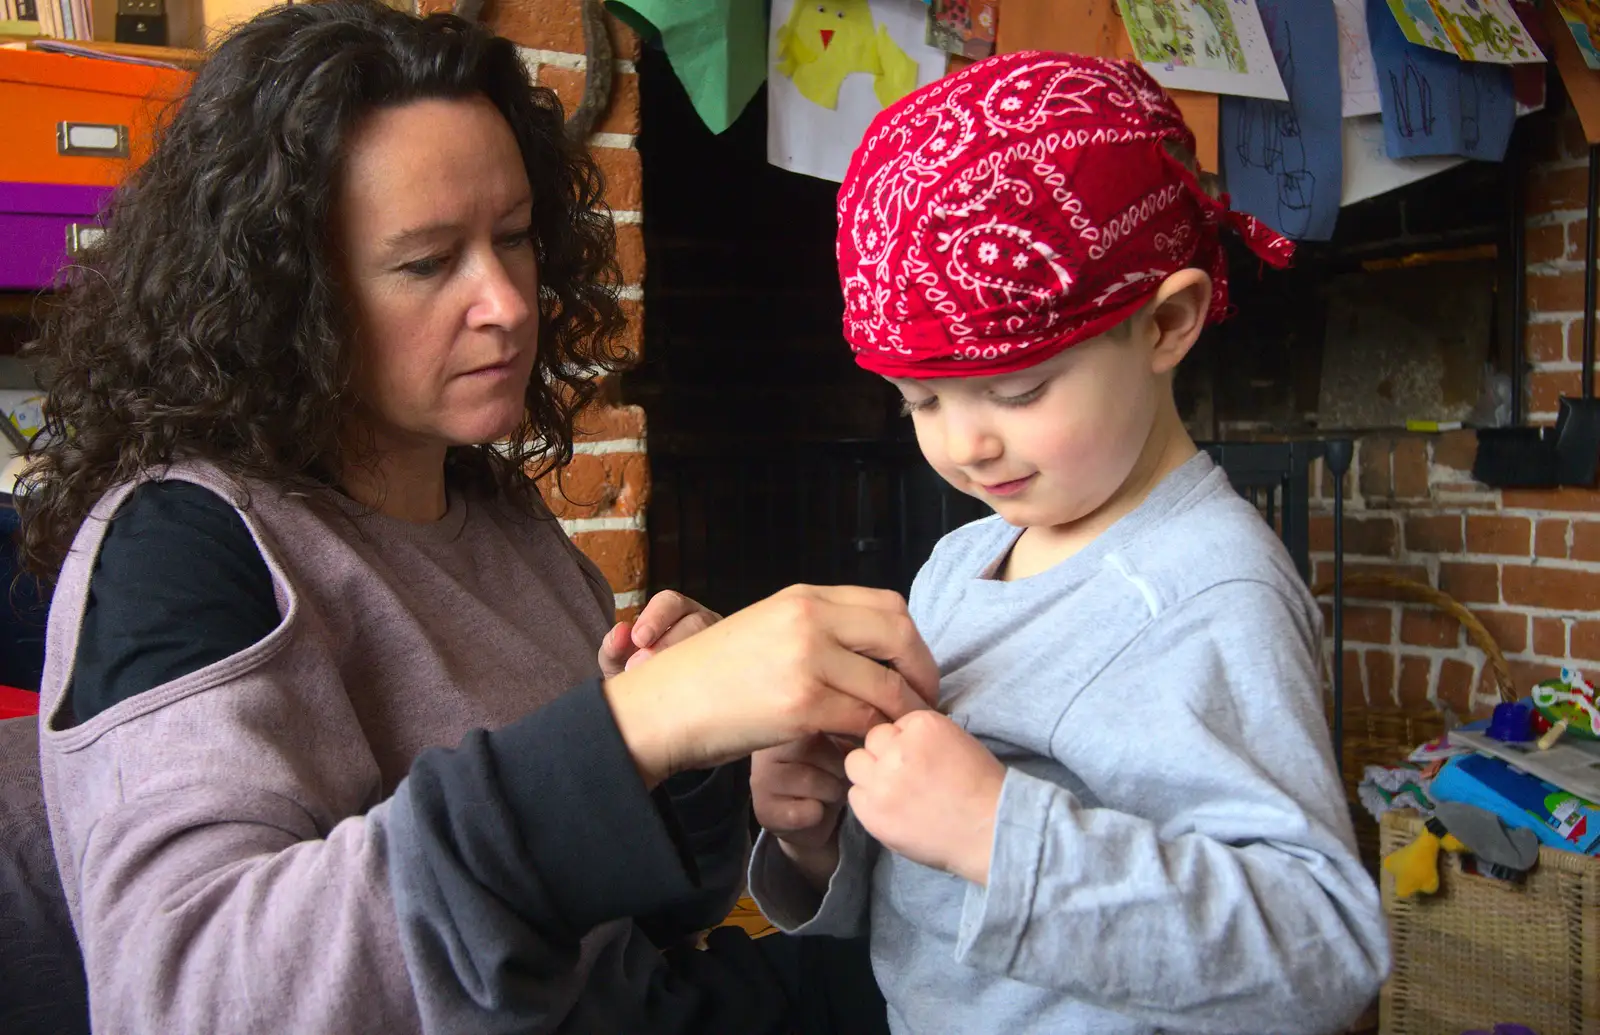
x=534 y=57
x=1357 y=508
x=1441 y=654
x=1555 y=267
x=1516 y=609
x=608 y=446
x=1519 y=609
x=1556 y=217
x=1416 y=559
x=578 y=526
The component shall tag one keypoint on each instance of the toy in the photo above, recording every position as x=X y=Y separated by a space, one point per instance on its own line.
x=1570 y=699
x=1416 y=866
x=1512 y=721
x=1493 y=847
x=1515 y=791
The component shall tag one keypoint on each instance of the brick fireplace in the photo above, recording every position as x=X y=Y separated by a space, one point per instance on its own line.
x=601 y=496
x=1527 y=562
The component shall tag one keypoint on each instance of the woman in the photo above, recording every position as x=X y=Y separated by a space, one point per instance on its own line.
x=308 y=605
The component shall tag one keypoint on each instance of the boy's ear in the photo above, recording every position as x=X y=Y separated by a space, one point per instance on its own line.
x=1178 y=315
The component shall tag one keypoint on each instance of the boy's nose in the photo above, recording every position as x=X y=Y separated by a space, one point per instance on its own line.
x=970 y=445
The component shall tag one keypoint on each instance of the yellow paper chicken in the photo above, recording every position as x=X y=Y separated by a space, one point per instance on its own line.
x=823 y=42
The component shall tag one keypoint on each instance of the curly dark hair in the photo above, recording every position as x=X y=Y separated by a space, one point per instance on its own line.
x=207 y=322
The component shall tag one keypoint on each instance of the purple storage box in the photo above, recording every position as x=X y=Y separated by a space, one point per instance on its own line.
x=38 y=222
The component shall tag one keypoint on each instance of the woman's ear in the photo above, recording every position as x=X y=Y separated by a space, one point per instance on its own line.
x=1178 y=313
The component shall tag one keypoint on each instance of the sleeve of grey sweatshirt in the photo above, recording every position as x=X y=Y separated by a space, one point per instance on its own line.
x=1214 y=886
x=795 y=907
x=842 y=909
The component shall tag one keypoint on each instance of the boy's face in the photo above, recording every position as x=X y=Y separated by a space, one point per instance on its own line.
x=1049 y=445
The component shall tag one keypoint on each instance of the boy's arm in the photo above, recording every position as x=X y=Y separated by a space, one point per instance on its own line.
x=782 y=890
x=1214 y=886
x=795 y=905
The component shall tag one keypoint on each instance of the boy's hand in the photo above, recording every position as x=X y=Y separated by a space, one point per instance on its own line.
x=798 y=790
x=668 y=618
x=929 y=791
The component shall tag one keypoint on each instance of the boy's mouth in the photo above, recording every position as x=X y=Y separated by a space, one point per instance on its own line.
x=1010 y=488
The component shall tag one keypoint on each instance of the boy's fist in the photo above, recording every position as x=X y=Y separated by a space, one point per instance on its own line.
x=798 y=790
x=929 y=791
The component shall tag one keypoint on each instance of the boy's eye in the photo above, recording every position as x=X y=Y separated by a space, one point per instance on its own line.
x=1021 y=398
x=910 y=406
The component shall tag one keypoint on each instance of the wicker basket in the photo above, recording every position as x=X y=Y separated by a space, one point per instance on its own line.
x=1482 y=952
x=1385 y=736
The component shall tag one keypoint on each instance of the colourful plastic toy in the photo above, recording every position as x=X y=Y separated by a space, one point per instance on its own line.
x=1573 y=699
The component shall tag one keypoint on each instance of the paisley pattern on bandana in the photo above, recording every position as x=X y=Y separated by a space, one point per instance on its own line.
x=1022 y=205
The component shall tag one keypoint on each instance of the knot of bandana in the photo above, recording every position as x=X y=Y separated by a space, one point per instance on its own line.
x=1027 y=203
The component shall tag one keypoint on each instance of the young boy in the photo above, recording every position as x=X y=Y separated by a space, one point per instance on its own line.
x=1124 y=815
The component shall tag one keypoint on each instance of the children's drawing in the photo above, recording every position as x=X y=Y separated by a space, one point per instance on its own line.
x=826 y=40
x=1434 y=103
x=1186 y=33
x=1357 y=78
x=1473 y=30
x=1282 y=159
x=1421 y=24
x=1213 y=46
x=1369 y=171
x=964 y=27
x=834 y=64
x=1413 y=95
x=1487 y=30
x=1583 y=21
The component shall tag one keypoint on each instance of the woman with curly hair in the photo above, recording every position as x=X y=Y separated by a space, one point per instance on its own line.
x=333 y=735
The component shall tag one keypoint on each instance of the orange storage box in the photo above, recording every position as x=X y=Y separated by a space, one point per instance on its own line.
x=78 y=120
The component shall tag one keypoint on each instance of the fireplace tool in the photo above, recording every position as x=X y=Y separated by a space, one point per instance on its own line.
x=1568 y=453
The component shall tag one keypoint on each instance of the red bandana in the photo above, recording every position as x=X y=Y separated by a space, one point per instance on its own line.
x=1001 y=214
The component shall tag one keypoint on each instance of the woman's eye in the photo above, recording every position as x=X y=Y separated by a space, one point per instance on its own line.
x=428 y=267
x=517 y=239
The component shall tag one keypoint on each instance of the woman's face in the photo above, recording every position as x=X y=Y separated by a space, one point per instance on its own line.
x=438 y=262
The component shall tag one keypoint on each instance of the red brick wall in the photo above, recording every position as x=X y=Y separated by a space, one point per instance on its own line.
x=601 y=496
x=1526 y=562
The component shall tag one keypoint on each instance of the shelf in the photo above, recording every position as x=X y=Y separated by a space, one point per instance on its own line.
x=180 y=56
x=17 y=303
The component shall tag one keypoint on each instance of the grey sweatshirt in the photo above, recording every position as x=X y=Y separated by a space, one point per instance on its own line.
x=1172 y=851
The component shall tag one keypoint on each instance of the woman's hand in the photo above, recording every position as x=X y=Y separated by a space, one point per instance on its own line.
x=797 y=663
x=668 y=618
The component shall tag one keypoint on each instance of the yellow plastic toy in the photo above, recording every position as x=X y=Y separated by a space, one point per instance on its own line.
x=825 y=41
x=1416 y=866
